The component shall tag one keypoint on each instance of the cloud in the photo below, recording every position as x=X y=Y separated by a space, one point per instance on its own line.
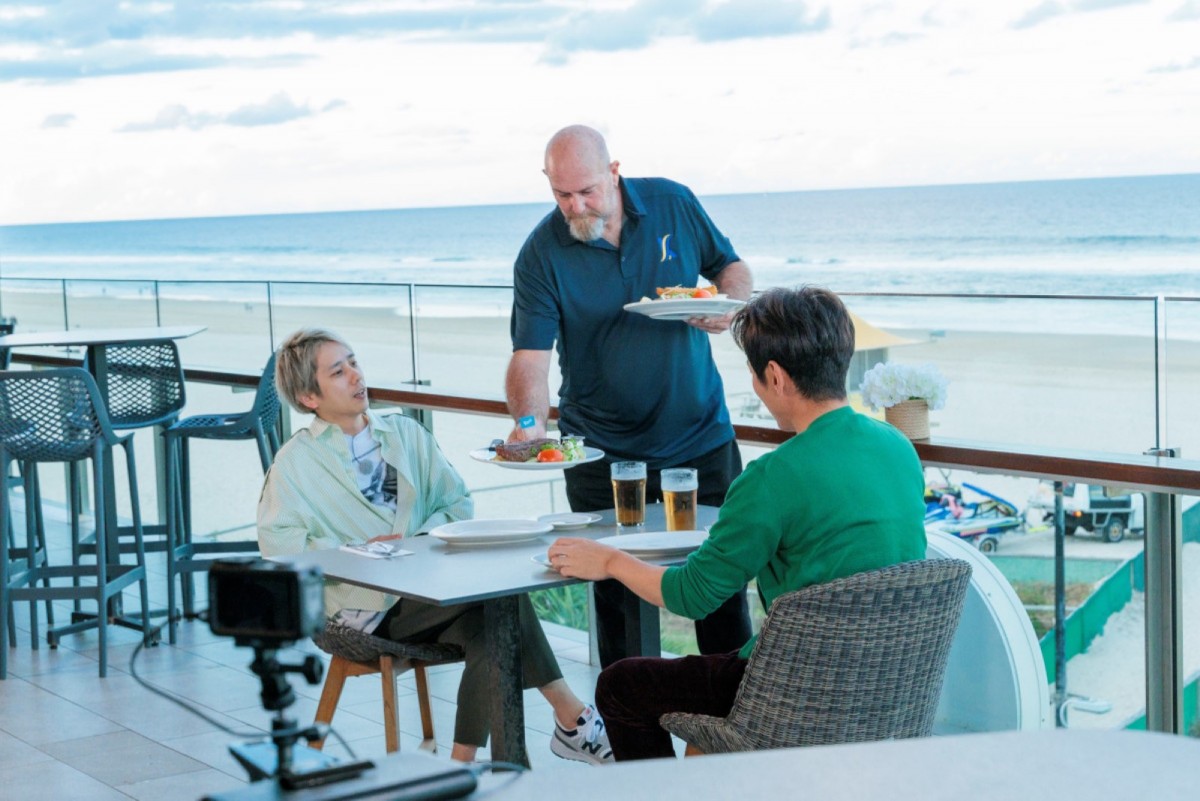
x=1050 y=9
x=109 y=60
x=743 y=19
x=640 y=24
x=172 y=117
x=58 y=120
x=276 y=110
x=1194 y=64
x=1039 y=14
x=1188 y=11
x=117 y=37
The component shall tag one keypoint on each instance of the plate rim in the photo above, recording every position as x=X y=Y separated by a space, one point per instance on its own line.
x=537 y=529
x=661 y=550
x=592 y=517
x=673 y=308
x=591 y=454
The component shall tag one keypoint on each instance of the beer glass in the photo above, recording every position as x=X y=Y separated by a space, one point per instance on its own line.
x=679 y=485
x=629 y=493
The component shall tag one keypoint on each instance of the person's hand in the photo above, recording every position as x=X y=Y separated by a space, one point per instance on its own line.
x=518 y=434
x=712 y=325
x=576 y=557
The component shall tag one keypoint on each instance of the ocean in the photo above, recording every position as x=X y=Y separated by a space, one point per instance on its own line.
x=1109 y=237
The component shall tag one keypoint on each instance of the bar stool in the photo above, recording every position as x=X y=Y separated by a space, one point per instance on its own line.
x=58 y=416
x=145 y=387
x=260 y=423
x=356 y=653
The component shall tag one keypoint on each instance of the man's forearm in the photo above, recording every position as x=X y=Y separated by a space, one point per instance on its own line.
x=526 y=386
x=642 y=578
x=735 y=281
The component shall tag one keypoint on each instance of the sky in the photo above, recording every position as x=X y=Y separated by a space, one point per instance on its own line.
x=138 y=110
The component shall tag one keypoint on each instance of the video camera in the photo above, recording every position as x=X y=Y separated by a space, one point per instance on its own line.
x=264 y=604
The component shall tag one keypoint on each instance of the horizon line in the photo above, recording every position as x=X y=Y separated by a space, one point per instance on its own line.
x=550 y=202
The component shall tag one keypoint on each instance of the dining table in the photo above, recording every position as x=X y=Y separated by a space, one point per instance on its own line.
x=496 y=576
x=97 y=341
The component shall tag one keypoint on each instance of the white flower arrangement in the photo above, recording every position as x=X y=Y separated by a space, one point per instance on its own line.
x=885 y=385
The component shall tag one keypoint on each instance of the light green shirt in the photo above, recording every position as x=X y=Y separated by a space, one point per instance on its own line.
x=311 y=500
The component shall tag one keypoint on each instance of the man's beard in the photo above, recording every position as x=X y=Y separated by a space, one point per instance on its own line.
x=586 y=228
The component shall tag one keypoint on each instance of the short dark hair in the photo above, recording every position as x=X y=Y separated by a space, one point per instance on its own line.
x=806 y=331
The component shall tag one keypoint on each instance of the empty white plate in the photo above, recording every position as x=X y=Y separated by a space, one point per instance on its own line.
x=657 y=543
x=569 y=520
x=490 y=532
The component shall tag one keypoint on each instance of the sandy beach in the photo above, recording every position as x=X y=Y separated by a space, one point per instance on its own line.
x=1072 y=391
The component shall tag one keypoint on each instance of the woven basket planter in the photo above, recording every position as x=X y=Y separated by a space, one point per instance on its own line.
x=911 y=417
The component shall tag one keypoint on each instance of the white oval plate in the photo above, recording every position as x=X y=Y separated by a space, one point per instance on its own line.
x=683 y=308
x=569 y=520
x=490 y=532
x=485 y=455
x=657 y=543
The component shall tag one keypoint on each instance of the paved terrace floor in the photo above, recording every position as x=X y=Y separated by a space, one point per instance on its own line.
x=65 y=733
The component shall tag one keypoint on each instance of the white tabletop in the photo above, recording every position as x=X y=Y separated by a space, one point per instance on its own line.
x=99 y=336
x=441 y=574
x=1053 y=765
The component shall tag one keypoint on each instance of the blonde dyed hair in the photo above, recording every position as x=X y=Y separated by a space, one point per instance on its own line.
x=296 y=364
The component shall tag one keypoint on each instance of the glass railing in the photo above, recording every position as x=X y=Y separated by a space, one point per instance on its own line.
x=1117 y=375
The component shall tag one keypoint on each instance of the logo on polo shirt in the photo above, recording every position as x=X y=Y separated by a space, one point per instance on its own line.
x=664 y=246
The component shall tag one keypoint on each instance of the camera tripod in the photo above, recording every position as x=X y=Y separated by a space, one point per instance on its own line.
x=277 y=695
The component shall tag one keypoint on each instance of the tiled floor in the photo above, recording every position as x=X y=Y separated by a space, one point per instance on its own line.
x=65 y=733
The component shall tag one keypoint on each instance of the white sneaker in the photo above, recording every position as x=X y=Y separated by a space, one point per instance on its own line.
x=587 y=742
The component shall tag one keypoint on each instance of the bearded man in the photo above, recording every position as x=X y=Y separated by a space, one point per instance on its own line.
x=637 y=388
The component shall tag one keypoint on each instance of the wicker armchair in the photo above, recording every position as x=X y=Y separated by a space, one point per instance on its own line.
x=356 y=653
x=861 y=658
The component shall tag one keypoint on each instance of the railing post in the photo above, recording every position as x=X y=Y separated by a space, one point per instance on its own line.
x=1164 y=632
x=1060 y=609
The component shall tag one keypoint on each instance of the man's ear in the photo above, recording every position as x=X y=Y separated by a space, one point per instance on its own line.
x=777 y=379
x=310 y=401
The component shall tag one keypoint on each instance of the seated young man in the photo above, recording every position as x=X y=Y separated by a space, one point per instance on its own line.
x=843 y=496
x=354 y=476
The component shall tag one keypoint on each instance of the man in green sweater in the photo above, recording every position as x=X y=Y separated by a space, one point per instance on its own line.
x=843 y=496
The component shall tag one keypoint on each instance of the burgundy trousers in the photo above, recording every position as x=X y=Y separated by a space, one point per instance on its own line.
x=633 y=693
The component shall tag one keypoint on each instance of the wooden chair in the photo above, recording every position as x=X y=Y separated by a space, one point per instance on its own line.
x=356 y=653
x=857 y=659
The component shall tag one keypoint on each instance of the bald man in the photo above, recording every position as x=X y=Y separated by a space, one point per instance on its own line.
x=637 y=388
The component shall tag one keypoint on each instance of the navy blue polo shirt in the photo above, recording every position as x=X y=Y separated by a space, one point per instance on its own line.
x=633 y=386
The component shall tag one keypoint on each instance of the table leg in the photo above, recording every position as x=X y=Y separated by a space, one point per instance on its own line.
x=503 y=638
x=642 y=636
x=107 y=506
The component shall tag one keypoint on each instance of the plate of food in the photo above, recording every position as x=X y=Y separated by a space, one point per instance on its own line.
x=538 y=454
x=568 y=520
x=682 y=303
x=649 y=544
x=474 y=533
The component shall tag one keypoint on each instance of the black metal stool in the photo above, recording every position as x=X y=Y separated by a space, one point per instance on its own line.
x=260 y=423
x=57 y=416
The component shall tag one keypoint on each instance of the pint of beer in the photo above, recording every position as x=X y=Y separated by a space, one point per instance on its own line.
x=679 y=486
x=629 y=493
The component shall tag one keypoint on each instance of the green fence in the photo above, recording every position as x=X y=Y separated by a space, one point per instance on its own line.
x=1088 y=620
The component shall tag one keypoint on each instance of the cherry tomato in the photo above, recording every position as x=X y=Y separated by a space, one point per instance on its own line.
x=701 y=293
x=550 y=455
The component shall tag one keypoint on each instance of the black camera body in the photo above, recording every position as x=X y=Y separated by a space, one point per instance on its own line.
x=264 y=604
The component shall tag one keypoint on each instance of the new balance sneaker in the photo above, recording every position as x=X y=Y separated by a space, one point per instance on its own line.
x=587 y=742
